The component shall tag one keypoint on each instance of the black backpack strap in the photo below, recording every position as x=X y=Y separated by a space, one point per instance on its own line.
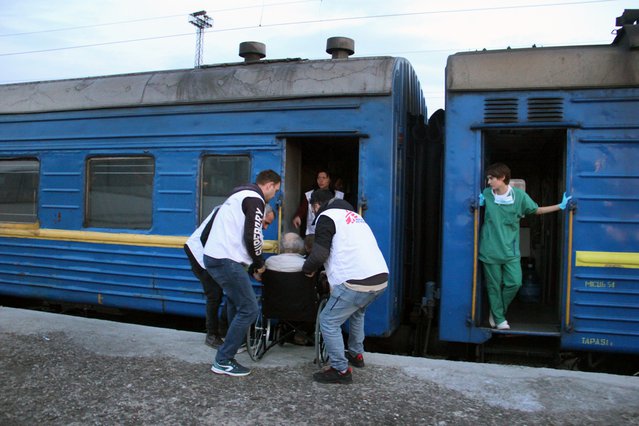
x=207 y=229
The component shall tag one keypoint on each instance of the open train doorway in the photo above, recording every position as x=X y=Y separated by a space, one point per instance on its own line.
x=537 y=160
x=304 y=158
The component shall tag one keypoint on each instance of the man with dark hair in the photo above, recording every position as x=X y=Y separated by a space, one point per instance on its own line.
x=235 y=242
x=357 y=274
x=268 y=176
x=194 y=249
x=499 y=252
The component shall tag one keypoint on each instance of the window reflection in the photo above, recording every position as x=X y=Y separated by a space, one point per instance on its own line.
x=19 y=181
x=220 y=174
x=120 y=192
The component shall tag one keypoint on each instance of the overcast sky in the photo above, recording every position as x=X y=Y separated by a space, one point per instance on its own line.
x=47 y=40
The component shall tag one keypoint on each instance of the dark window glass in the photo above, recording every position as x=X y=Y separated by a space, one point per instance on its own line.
x=19 y=190
x=120 y=192
x=220 y=174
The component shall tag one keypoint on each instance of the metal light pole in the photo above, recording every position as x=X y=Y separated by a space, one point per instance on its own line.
x=201 y=21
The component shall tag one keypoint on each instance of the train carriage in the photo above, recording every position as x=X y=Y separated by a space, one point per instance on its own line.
x=103 y=178
x=563 y=119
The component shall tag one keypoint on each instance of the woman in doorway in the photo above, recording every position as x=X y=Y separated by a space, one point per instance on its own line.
x=499 y=240
x=304 y=211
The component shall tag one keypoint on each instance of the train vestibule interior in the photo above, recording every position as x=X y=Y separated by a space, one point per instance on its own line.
x=537 y=160
x=304 y=158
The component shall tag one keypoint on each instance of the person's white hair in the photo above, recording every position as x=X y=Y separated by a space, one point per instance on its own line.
x=292 y=243
x=268 y=209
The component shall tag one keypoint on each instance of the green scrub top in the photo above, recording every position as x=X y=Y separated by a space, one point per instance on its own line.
x=499 y=240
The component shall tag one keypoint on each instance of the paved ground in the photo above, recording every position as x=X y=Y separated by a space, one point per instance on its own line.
x=56 y=369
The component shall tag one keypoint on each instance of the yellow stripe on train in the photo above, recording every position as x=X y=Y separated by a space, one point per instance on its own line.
x=33 y=231
x=607 y=259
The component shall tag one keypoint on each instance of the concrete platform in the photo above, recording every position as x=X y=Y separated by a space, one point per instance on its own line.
x=57 y=369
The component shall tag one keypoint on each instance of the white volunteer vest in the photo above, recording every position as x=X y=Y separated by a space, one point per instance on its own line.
x=354 y=253
x=194 y=242
x=226 y=240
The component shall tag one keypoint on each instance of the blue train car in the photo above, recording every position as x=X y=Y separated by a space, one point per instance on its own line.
x=563 y=119
x=102 y=179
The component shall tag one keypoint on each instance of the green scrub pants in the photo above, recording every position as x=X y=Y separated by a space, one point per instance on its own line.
x=502 y=282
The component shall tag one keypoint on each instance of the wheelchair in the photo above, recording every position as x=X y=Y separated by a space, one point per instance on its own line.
x=287 y=300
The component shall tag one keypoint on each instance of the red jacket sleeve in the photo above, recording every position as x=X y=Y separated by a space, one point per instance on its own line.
x=302 y=209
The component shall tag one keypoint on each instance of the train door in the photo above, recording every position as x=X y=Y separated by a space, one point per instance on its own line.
x=537 y=159
x=304 y=157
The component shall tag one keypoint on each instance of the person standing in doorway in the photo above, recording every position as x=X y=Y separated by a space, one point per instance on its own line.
x=234 y=244
x=499 y=239
x=304 y=211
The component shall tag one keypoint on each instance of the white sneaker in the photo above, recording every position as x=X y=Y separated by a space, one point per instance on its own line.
x=241 y=348
x=503 y=326
x=491 y=320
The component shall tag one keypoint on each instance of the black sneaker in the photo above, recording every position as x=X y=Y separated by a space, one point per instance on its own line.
x=331 y=375
x=213 y=341
x=356 y=361
x=230 y=368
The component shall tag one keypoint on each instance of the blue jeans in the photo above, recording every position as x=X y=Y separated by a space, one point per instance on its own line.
x=235 y=282
x=345 y=304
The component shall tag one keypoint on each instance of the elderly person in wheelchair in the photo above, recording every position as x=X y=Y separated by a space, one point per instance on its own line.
x=291 y=258
x=291 y=302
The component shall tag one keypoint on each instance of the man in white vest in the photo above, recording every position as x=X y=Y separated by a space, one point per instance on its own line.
x=194 y=248
x=357 y=274
x=234 y=243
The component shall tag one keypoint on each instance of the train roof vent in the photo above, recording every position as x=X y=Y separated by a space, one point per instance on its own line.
x=545 y=109
x=500 y=110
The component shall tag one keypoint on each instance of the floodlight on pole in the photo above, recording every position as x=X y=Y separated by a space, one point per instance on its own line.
x=201 y=21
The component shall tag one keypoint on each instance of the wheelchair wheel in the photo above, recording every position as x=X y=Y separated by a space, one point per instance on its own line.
x=279 y=333
x=321 y=356
x=257 y=337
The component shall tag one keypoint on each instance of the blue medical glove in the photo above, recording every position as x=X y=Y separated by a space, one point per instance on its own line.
x=564 y=201
x=482 y=200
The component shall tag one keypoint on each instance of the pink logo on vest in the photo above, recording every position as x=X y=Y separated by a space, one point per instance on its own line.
x=352 y=217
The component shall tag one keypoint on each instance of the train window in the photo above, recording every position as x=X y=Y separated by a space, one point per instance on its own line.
x=119 y=192
x=220 y=174
x=19 y=180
